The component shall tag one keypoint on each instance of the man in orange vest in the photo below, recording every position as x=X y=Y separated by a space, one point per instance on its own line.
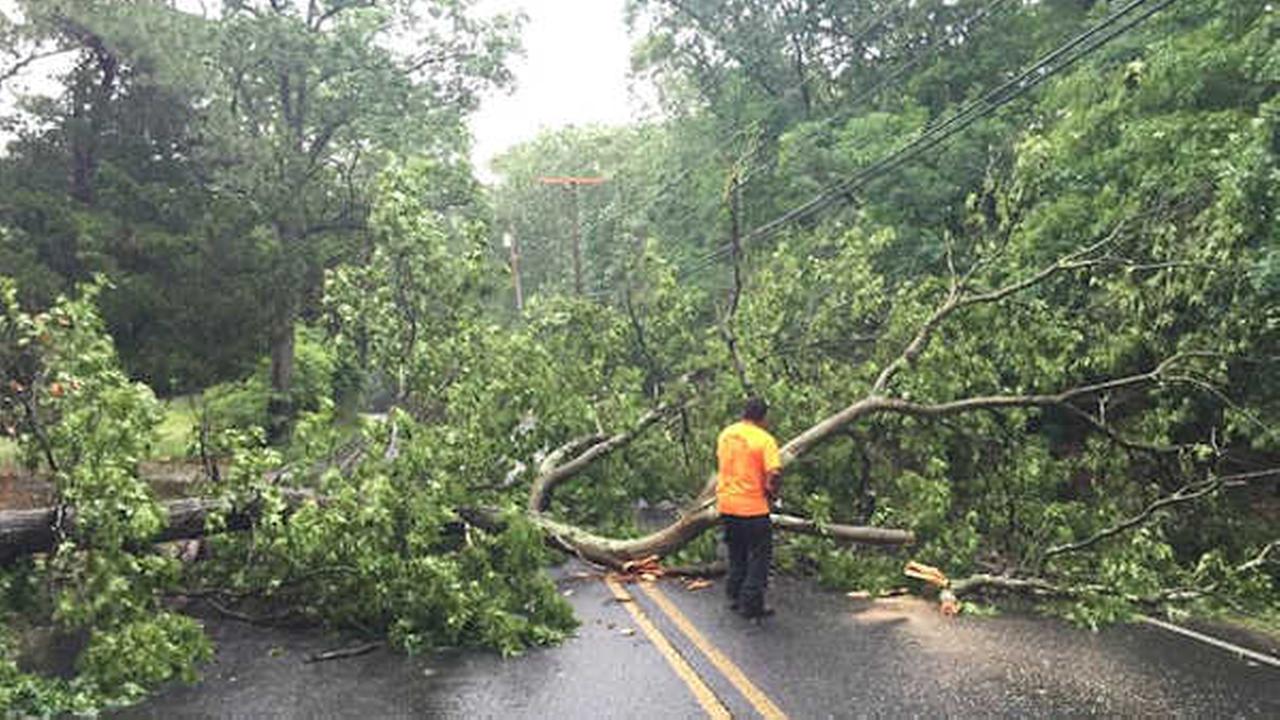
x=747 y=482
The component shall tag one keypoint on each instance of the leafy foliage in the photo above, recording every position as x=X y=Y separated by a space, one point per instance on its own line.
x=89 y=425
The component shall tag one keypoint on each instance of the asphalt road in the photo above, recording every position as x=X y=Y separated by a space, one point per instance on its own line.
x=668 y=652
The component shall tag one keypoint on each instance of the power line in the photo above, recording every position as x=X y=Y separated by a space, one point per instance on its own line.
x=932 y=135
x=806 y=77
x=964 y=27
x=862 y=33
x=1048 y=65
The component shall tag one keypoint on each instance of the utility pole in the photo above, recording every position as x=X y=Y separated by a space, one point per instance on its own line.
x=570 y=184
x=511 y=241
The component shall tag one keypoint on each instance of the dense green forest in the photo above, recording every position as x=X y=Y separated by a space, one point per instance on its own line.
x=1007 y=271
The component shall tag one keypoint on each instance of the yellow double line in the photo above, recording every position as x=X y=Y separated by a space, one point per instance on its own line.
x=707 y=699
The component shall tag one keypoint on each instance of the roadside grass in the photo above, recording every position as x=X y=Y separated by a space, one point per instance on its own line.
x=174 y=436
x=1266 y=623
x=8 y=454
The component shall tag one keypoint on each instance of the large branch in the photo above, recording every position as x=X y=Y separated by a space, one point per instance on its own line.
x=874 y=404
x=1187 y=493
x=956 y=300
x=25 y=532
x=614 y=552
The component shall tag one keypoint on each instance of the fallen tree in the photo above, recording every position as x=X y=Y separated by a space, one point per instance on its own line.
x=577 y=455
x=31 y=531
x=25 y=532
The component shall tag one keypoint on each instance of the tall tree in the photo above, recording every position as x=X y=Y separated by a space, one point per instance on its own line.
x=309 y=99
x=243 y=146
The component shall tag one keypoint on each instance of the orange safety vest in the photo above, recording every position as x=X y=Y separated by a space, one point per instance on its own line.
x=747 y=454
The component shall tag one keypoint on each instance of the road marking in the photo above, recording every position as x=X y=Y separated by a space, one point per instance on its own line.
x=758 y=699
x=707 y=699
x=1246 y=652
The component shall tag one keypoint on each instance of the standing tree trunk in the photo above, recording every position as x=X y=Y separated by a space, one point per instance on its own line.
x=280 y=409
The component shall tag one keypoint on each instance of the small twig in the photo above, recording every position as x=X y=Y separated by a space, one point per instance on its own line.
x=1222 y=397
x=1187 y=493
x=247 y=618
x=393 y=443
x=1259 y=559
x=342 y=653
x=37 y=428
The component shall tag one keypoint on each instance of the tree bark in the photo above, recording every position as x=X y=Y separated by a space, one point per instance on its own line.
x=280 y=404
x=25 y=532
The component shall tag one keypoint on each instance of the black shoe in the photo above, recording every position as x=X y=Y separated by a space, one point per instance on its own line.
x=757 y=613
x=733 y=605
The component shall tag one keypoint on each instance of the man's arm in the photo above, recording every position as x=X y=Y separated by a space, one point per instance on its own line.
x=772 y=471
x=773 y=485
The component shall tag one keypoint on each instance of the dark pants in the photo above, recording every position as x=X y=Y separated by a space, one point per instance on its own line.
x=750 y=541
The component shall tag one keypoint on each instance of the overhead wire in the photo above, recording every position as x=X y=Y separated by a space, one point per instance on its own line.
x=857 y=37
x=933 y=134
x=964 y=26
x=808 y=76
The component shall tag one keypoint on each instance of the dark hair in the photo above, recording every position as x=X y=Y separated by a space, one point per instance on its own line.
x=755 y=409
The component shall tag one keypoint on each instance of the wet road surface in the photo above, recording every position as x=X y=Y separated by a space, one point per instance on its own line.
x=822 y=656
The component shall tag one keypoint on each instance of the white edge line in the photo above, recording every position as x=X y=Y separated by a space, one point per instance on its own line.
x=1246 y=652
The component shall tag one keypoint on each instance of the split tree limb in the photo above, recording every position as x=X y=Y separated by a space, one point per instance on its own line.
x=613 y=552
x=701 y=516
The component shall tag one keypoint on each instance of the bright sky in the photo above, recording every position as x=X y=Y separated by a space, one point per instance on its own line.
x=573 y=72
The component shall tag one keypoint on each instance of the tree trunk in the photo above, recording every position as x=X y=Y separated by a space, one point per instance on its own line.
x=280 y=408
x=24 y=532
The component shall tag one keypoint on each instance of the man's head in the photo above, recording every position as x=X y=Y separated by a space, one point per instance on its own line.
x=755 y=410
